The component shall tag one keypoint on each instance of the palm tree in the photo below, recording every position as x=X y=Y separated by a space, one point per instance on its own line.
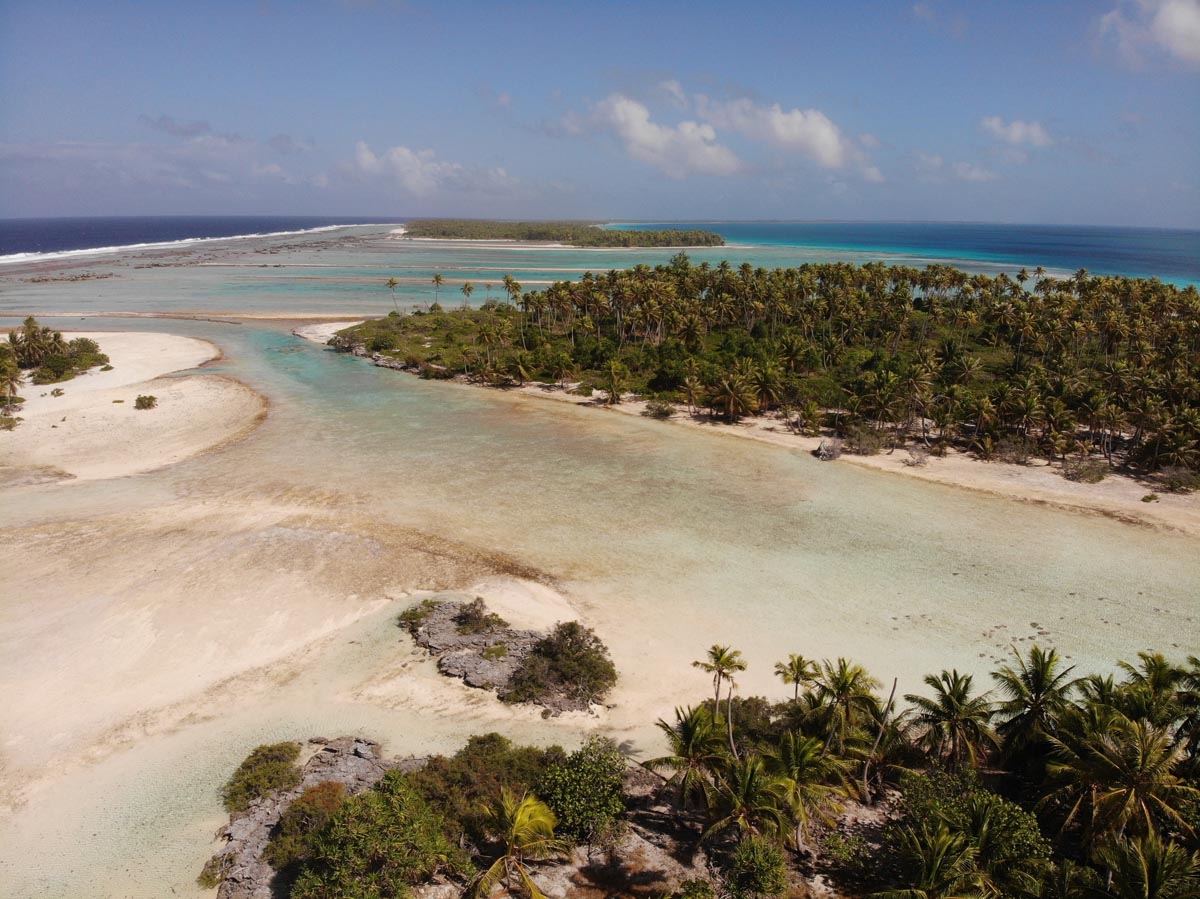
x=694 y=746
x=10 y=383
x=796 y=671
x=614 y=380
x=437 y=285
x=747 y=796
x=524 y=828
x=1149 y=867
x=467 y=289
x=391 y=285
x=1038 y=691
x=812 y=783
x=844 y=692
x=721 y=663
x=943 y=863
x=954 y=722
x=1115 y=776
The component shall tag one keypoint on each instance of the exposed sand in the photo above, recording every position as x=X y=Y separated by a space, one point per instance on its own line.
x=320 y=333
x=93 y=430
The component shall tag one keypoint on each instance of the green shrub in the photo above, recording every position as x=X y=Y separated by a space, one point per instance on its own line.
x=214 y=871
x=495 y=652
x=53 y=368
x=267 y=769
x=694 y=889
x=378 y=845
x=756 y=869
x=582 y=390
x=1015 y=450
x=864 y=440
x=291 y=839
x=106 y=368
x=145 y=402
x=118 y=401
x=1180 y=480
x=585 y=791
x=381 y=342
x=57 y=391
x=1085 y=471
x=570 y=661
x=659 y=409
x=1150 y=498
x=474 y=618
x=411 y=619
x=8 y=422
x=460 y=785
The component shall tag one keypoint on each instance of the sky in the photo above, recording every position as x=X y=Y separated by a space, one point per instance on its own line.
x=1044 y=112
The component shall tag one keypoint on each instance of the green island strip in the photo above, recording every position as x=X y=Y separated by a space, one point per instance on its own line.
x=577 y=234
x=1092 y=373
x=1039 y=782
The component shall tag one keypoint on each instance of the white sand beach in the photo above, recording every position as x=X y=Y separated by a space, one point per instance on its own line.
x=93 y=430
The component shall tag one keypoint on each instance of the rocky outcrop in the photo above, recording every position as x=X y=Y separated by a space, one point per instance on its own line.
x=351 y=761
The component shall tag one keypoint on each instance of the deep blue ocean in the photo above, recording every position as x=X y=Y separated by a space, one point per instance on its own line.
x=57 y=235
x=1170 y=254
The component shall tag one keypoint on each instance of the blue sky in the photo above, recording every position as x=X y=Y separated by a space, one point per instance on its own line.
x=1084 y=112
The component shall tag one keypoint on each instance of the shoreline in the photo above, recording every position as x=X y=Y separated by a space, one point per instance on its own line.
x=1118 y=496
x=93 y=432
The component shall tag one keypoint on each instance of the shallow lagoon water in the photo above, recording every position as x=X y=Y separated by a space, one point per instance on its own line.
x=664 y=539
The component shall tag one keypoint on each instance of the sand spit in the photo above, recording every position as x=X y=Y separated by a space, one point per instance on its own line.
x=94 y=431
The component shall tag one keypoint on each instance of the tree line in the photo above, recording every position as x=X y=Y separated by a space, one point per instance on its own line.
x=578 y=234
x=1096 y=369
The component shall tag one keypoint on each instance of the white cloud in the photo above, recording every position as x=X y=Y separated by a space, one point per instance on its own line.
x=673 y=91
x=965 y=171
x=934 y=168
x=675 y=150
x=1017 y=132
x=420 y=172
x=870 y=141
x=807 y=131
x=1173 y=25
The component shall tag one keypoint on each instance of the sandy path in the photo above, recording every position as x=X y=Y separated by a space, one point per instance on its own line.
x=93 y=430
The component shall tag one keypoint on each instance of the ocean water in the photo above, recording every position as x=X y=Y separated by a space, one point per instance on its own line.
x=1168 y=254
x=58 y=235
x=665 y=539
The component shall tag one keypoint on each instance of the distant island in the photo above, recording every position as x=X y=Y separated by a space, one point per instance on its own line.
x=578 y=234
x=1093 y=374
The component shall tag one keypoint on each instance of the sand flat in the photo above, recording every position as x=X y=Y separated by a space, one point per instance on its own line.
x=93 y=430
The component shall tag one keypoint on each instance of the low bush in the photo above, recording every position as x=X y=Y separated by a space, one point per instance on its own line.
x=864 y=440
x=291 y=839
x=378 y=844
x=145 y=402
x=756 y=869
x=585 y=791
x=474 y=618
x=459 y=786
x=496 y=652
x=411 y=619
x=268 y=768
x=381 y=342
x=1180 y=480
x=214 y=871
x=1015 y=450
x=57 y=391
x=1085 y=471
x=570 y=661
x=659 y=409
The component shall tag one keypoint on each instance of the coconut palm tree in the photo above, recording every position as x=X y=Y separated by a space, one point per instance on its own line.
x=954 y=723
x=391 y=284
x=1148 y=867
x=10 y=383
x=614 y=381
x=722 y=663
x=844 y=696
x=748 y=797
x=467 y=289
x=811 y=782
x=1038 y=691
x=943 y=865
x=1113 y=776
x=796 y=671
x=524 y=828
x=438 y=280
x=694 y=751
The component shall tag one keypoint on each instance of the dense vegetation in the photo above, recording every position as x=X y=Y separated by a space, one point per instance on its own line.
x=579 y=234
x=1092 y=372
x=268 y=768
x=42 y=356
x=571 y=660
x=1048 y=786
